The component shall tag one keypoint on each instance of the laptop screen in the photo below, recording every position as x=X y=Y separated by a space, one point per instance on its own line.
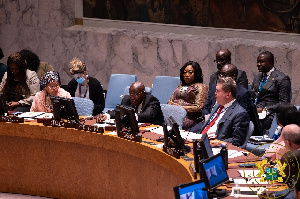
x=213 y=171
x=205 y=147
x=191 y=190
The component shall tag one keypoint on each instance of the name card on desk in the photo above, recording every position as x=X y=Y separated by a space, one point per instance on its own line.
x=172 y=152
x=129 y=136
x=55 y=123
x=90 y=128
x=12 y=119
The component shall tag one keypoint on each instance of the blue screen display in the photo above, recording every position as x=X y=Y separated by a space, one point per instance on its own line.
x=193 y=191
x=215 y=171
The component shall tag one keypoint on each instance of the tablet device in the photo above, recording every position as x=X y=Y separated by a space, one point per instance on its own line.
x=195 y=189
x=213 y=171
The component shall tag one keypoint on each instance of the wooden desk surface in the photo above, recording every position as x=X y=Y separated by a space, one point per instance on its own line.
x=69 y=163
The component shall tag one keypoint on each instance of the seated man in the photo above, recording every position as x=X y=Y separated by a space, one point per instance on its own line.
x=243 y=96
x=291 y=136
x=269 y=88
x=223 y=57
x=228 y=120
x=146 y=105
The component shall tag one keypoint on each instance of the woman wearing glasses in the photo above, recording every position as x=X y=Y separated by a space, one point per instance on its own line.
x=82 y=85
x=50 y=83
x=19 y=85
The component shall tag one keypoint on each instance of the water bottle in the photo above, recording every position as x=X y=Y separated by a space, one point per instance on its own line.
x=236 y=191
x=224 y=154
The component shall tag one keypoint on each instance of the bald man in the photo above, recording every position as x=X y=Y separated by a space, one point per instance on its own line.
x=223 y=57
x=291 y=136
x=146 y=105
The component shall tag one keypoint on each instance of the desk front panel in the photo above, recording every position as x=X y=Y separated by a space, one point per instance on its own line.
x=69 y=163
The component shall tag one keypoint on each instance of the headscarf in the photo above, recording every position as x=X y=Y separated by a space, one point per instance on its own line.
x=77 y=66
x=48 y=77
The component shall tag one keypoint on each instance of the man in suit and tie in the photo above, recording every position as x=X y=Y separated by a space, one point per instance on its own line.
x=146 y=105
x=223 y=57
x=269 y=88
x=228 y=120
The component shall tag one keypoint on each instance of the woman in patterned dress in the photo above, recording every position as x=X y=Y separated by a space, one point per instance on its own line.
x=191 y=93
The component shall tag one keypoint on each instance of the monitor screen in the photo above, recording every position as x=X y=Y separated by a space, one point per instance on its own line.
x=195 y=189
x=213 y=171
x=205 y=147
x=125 y=118
x=173 y=134
x=3 y=106
x=64 y=108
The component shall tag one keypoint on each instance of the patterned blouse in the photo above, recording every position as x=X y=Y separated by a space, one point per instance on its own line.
x=192 y=97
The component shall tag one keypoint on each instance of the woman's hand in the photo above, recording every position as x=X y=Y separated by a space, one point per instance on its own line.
x=13 y=104
x=101 y=118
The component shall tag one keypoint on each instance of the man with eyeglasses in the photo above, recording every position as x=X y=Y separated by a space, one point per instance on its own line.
x=223 y=57
x=147 y=107
x=243 y=96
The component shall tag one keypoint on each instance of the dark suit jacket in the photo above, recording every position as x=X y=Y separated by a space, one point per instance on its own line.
x=276 y=90
x=95 y=93
x=242 y=96
x=151 y=111
x=233 y=126
x=241 y=79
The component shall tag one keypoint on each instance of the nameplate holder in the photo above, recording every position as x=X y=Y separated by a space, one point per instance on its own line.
x=193 y=171
x=11 y=119
x=172 y=152
x=90 y=128
x=129 y=136
x=55 y=123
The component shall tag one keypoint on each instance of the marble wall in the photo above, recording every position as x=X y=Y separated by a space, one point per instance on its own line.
x=48 y=28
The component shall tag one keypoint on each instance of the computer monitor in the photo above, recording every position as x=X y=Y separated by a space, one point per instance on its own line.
x=64 y=108
x=213 y=171
x=125 y=118
x=205 y=147
x=173 y=134
x=3 y=106
x=195 y=189
x=201 y=150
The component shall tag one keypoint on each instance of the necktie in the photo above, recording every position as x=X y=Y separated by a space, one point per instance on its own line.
x=213 y=120
x=261 y=84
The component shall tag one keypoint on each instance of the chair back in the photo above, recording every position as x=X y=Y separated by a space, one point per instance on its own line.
x=249 y=134
x=298 y=108
x=83 y=106
x=163 y=87
x=177 y=112
x=273 y=127
x=116 y=86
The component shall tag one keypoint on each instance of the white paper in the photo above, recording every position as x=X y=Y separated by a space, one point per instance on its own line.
x=234 y=153
x=250 y=181
x=249 y=173
x=258 y=190
x=45 y=115
x=262 y=115
x=30 y=114
x=190 y=135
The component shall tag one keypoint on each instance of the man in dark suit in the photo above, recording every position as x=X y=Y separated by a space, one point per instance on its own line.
x=223 y=57
x=228 y=120
x=242 y=96
x=147 y=106
x=269 y=88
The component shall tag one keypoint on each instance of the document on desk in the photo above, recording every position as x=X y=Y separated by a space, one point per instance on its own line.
x=250 y=181
x=249 y=173
x=30 y=114
x=247 y=192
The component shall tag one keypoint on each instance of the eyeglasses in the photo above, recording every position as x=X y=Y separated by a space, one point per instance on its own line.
x=135 y=95
x=53 y=87
x=224 y=75
x=78 y=75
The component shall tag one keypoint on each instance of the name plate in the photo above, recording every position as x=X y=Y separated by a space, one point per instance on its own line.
x=193 y=171
x=171 y=152
x=90 y=128
x=129 y=136
x=55 y=123
x=11 y=119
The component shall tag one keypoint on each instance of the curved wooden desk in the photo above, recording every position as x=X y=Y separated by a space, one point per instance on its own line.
x=69 y=163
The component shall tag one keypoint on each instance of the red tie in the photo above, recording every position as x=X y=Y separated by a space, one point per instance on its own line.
x=213 y=121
